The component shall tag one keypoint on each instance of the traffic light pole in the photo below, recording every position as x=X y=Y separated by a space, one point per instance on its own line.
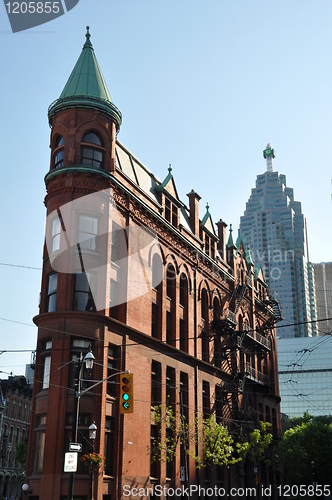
x=78 y=369
x=78 y=394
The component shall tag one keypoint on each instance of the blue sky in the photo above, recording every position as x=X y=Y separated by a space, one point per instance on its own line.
x=201 y=85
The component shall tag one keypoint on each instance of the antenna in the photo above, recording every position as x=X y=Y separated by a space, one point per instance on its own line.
x=269 y=154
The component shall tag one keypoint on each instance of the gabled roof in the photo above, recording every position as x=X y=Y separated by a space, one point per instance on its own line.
x=259 y=273
x=86 y=87
x=207 y=223
x=168 y=186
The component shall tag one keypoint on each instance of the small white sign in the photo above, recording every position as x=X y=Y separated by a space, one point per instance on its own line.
x=70 y=461
x=182 y=473
x=75 y=447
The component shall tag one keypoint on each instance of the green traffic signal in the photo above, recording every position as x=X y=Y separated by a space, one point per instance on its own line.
x=126 y=393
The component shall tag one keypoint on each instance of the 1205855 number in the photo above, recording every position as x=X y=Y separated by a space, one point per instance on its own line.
x=316 y=490
x=33 y=7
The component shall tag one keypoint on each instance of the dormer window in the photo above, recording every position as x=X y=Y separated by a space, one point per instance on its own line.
x=171 y=212
x=92 y=150
x=59 y=152
x=209 y=246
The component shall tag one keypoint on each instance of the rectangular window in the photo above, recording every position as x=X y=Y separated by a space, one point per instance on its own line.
x=185 y=393
x=206 y=399
x=109 y=464
x=169 y=339
x=47 y=372
x=155 y=383
x=83 y=299
x=174 y=216
x=112 y=368
x=51 y=292
x=154 y=464
x=167 y=209
x=170 y=387
x=38 y=456
x=56 y=230
x=87 y=232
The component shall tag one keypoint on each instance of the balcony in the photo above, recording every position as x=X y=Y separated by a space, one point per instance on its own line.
x=257 y=337
x=256 y=376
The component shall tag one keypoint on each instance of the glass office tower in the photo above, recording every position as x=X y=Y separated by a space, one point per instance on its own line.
x=276 y=230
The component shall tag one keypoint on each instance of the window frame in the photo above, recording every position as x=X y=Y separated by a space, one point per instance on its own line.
x=59 y=152
x=51 y=293
x=95 y=149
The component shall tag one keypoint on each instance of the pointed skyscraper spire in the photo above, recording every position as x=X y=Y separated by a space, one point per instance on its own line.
x=269 y=154
x=86 y=87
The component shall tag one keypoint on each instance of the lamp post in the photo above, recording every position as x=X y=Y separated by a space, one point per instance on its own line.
x=92 y=437
x=88 y=360
x=313 y=470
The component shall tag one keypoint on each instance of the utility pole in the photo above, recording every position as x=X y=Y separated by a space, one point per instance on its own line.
x=183 y=443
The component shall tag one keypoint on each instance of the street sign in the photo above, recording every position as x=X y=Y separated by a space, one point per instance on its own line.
x=70 y=462
x=75 y=447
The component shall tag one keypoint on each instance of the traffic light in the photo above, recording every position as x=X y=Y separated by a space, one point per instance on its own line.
x=126 y=393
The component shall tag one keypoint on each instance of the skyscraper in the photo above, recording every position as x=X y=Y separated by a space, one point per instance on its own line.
x=276 y=230
x=323 y=289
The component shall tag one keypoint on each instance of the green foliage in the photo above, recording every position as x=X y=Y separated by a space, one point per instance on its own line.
x=21 y=450
x=304 y=443
x=164 y=446
x=259 y=446
x=218 y=445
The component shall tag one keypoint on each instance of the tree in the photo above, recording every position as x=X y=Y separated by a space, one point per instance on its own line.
x=218 y=446
x=21 y=450
x=259 y=447
x=302 y=444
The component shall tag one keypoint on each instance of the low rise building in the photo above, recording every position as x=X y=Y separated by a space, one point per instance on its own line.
x=16 y=395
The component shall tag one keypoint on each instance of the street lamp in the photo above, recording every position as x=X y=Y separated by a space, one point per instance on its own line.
x=92 y=437
x=25 y=489
x=88 y=361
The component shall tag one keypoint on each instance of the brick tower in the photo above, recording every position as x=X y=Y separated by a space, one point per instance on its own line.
x=84 y=123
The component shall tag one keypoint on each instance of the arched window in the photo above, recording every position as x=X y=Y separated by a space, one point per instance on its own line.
x=170 y=313
x=92 y=152
x=205 y=329
x=157 y=278
x=59 y=152
x=216 y=337
x=183 y=312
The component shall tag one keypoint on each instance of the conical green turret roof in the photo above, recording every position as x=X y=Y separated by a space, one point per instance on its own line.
x=86 y=87
x=230 y=242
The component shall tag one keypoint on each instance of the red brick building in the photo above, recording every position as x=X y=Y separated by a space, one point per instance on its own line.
x=15 y=411
x=155 y=290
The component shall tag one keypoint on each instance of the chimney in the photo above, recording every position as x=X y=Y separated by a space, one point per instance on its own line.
x=221 y=225
x=194 y=211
